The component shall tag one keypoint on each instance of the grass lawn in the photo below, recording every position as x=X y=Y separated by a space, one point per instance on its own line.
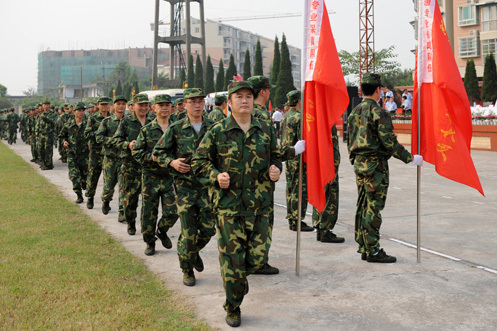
x=60 y=271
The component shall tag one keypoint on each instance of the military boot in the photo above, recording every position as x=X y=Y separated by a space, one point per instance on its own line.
x=188 y=277
x=329 y=237
x=150 y=250
x=132 y=229
x=381 y=257
x=303 y=227
x=106 y=207
x=199 y=264
x=164 y=238
x=266 y=269
x=89 y=203
x=234 y=318
x=80 y=198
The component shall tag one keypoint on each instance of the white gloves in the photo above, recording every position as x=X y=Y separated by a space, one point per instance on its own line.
x=418 y=160
x=299 y=147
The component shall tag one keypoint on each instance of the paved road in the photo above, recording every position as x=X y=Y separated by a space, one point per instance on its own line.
x=453 y=288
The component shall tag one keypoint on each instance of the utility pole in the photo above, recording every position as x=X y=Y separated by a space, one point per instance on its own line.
x=366 y=37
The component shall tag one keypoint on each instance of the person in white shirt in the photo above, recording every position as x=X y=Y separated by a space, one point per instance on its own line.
x=407 y=94
x=277 y=116
x=391 y=106
x=406 y=105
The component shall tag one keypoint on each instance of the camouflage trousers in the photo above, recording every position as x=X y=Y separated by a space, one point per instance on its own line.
x=242 y=249
x=46 y=151
x=12 y=135
x=130 y=190
x=78 y=170
x=62 y=150
x=292 y=191
x=197 y=223
x=372 y=186
x=326 y=220
x=112 y=176
x=34 y=151
x=95 y=163
x=155 y=188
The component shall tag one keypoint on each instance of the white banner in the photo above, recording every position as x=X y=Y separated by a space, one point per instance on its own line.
x=425 y=41
x=313 y=16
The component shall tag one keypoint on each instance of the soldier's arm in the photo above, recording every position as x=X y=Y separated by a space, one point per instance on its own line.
x=163 y=150
x=89 y=133
x=120 y=137
x=139 y=151
x=203 y=160
x=389 y=139
x=101 y=133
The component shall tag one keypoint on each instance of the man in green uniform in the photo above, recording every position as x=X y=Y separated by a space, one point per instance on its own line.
x=238 y=157
x=180 y=112
x=12 y=120
x=96 y=156
x=46 y=136
x=371 y=142
x=157 y=182
x=175 y=150
x=262 y=92
x=77 y=150
x=217 y=114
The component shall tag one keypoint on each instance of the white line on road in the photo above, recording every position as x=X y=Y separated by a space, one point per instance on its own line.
x=443 y=196
x=487 y=269
x=425 y=250
x=478 y=203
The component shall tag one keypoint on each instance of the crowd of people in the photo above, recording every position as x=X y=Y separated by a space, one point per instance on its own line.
x=214 y=171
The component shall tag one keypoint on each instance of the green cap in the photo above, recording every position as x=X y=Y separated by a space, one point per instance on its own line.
x=129 y=103
x=373 y=79
x=56 y=108
x=120 y=97
x=46 y=101
x=193 y=93
x=161 y=98
x=90 y=105
x=260 y=82
x=104 y=100
x=293 y=97
x=178 y=101
x=220 y=98
x=140 y=98
x=79 y=105
x=240 y=85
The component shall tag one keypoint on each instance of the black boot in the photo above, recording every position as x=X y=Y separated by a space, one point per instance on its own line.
x=89 y=203
x=106 y=207
x=80 y=198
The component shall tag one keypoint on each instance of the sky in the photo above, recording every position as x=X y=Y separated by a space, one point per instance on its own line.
x=29 y=27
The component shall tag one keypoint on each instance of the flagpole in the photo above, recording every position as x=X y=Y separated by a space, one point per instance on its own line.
x=418 y=179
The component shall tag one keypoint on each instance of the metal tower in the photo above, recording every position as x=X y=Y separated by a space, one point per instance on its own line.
x=366 y=37
x=176 y=38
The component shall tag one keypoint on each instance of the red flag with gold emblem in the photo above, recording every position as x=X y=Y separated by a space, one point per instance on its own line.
x=325 y=99
x=445 y=114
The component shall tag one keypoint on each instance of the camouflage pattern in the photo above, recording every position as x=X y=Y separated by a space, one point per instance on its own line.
x=193 y=92
x=243 y=210
x=261 y=113
x=157 y=184
x=194 y=208
x=30 y=123
x=12 y=120
x=61 y=121
x=46 y=132
x=96 y=158
x=177 y=116
x=371 y=142
x=216 y=115
x=260 y=82
x=373 y=79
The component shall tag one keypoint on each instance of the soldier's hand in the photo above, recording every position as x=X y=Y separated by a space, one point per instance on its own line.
x=179 y=166
x=131 y=144
x=274 y=173
x=224 y=180
x=66 y=144
x=154 y=158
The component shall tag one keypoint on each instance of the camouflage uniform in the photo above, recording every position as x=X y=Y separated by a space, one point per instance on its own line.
x=46 y=133
x=371 y=142
x=216 y=115
x=243 y=210
x=12 y=120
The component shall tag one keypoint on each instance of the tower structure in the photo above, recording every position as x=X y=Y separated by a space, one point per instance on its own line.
x=366 y=37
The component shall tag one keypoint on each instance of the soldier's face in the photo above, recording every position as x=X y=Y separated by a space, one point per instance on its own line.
x=46 y=106
x=79 y=114
x=163 y=109
x=195 y=107
x=180 y=107
x=104 y=107
x=241 y=102
x=141 y=109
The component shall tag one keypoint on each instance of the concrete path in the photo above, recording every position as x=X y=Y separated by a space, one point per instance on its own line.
x=453 y=288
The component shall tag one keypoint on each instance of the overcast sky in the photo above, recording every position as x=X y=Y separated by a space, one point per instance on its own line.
x=28 y=27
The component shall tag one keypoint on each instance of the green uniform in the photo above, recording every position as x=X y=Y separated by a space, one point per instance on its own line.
x=46 y=131
x=242 y=210
x=261 y=113
x=12 y=120
x=157 y=185
x=61 y=121
x=194 y=208
x=216 y=115
x=371 y=142
x=96 y=158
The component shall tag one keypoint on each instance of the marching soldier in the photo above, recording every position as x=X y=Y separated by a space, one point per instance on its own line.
x=217 y=114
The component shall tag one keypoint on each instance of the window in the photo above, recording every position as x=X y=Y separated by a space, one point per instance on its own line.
x=467 y=15
x=489 y=18
x=488 y=46
x=197 y=30
x=468 y=47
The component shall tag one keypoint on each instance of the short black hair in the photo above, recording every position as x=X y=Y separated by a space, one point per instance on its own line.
x=256 y=94
x=219 y=102
x=368 y=89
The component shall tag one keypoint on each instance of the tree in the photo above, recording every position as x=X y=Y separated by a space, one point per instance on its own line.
x=127 y=91
x=136 y=87
x=220 y=77
x=191 y=73
x=199 y=74
x=230 y=72
x=471 y=81
x=403 y=77
x=3 y=90
x=258 y=69
x=246 y=65
x=121 y=72
x=209 y=76
x=489 y=86
x=119 y=88
x=182 y=78
x=285 y=77
x=5 y=103
x=276 y=67
x=133 y=77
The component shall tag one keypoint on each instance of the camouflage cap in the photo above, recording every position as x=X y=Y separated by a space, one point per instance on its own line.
x=373 y=79
x=56 y=108
x=104 y=100
x=178 y=101
x=220 y=98
x=240 y=85
x=90 y=105
x=129 y=103
x=193 y=93
x=120 y=97
x=293 y=97
x=140 y=98
x=79 y=105
x=161 y=98
x=260 y=82
x=46 y=101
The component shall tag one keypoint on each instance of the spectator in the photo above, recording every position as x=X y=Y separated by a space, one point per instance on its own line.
x=390 y=105
x=406 y=105
x=277 y=116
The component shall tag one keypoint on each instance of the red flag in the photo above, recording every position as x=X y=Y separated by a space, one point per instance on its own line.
x=270 y=106
x=445 y=114
x=325 y=99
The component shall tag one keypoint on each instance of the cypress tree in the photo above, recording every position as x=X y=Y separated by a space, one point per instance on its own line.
x=191 y=73
x=276 y=67
x=199 y=74
x=230 y=72
x=119 y=88
x=182 y=78
x=209 y=76
x=258 y=69
x=471 y=81
x=127 y=91
x=246 y=65
x=285 y=78
x=489 y=87
x=220 y=77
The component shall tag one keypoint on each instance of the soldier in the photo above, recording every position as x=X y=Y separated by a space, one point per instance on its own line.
x=238 y=157
x=12 y=121
x=77 y=150
x=325 y=222
x=290 y=134
x=111 y=163
x=175 y=149
x=61 y=121
x=217 y=114
x=96 y=154
x=125 y=138
x=262 y=92
x=371 y=142
x=30 y=123
x=157 y=182
x=46 y=131
x=180 y=112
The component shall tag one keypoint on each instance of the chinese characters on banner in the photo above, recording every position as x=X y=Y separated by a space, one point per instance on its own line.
x=425 y=38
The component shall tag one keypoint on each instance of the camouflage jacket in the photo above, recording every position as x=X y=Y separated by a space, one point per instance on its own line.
x=261 y=113
x=144 y=146
x=47 y=124
x=290 y=132
x=177 y=116
x=216 y=115
x=370 y=133
x=91 y=130
x=128 y=130
x=246 y=157
x=180 y=141
x=74 y=135
x=105 y=133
